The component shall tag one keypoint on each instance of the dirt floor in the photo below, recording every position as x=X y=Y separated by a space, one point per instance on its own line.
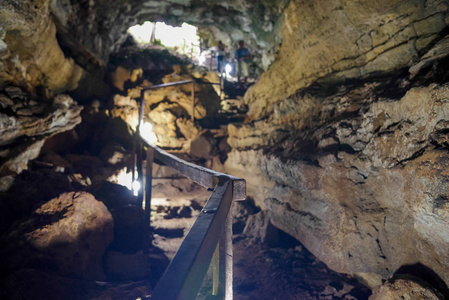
x=290 y=272
x=272 y=269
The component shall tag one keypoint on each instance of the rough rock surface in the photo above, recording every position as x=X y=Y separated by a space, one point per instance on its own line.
x=25 y=123
x=29 y=51
x=69 y=234
x=345 y=156
x=170 y=109
x=127 y=109
x=37 y=119
x=404 y=289
x=328 y=43
x=365 y=194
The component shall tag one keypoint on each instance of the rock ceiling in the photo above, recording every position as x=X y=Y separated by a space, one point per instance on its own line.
x=347 y=127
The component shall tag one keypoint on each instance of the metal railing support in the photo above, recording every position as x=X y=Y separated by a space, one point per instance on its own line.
x=139 y=156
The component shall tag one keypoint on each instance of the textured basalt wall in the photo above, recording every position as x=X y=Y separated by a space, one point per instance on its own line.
x=347 y=132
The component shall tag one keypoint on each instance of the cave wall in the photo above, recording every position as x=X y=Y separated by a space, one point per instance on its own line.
x=345 y=139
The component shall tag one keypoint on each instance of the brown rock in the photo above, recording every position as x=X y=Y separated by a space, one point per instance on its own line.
x=259 y=226
x=404 y=289
x=187 y=128
x=361 y=192
x=56 y=160
x=69 y=234
x=127 y=109
x=121 y=75
x=63 y=115
x=16 y=159
x=334 y=42
x=203 y=147
x=85 y=164
x=113 y=153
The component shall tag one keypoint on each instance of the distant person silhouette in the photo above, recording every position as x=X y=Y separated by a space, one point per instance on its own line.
x=242 y=55
x=220 y=56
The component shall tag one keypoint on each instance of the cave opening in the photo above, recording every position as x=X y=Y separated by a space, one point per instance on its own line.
x=182 y=39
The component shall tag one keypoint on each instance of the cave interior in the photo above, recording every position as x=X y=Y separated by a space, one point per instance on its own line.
x=341 y=133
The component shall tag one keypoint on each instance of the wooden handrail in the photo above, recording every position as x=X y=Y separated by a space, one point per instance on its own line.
x=184 y=275
x=212 y=230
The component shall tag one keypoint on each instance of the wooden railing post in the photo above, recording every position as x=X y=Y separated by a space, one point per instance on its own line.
x=147 y=237
x=193 y=101
x=226 y=259
x=139 y=159
x=216 y=288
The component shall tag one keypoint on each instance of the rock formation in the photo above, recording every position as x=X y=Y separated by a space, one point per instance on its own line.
x=345 y=142
x=69 y=234
x=351 y=158
x=26 y=123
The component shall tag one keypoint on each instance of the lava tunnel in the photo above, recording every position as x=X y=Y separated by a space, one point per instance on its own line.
x=315 y=130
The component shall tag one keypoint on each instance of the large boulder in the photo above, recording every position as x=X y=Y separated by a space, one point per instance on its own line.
x=68 y=234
